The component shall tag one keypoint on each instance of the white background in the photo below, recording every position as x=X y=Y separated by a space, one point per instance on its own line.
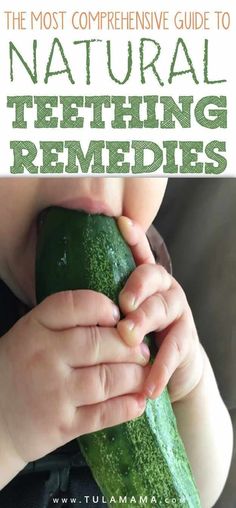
x=221 y=66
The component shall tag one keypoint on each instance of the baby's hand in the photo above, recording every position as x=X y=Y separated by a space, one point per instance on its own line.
x=62 y=376
x=152 y=300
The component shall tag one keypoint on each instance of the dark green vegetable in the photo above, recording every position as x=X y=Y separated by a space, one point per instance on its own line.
x=141 y=462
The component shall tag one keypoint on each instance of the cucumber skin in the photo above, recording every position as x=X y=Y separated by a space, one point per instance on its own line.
x=71 y=254
x=145 y=456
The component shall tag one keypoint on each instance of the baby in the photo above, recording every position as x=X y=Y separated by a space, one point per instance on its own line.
x=62 y=376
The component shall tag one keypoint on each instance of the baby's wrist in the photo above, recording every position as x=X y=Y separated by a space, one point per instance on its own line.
x=184 y=391
x=10 y=461
x=203 y=381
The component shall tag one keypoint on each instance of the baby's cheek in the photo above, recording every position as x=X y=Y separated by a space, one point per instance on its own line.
x=142 y=199
x=18 y=209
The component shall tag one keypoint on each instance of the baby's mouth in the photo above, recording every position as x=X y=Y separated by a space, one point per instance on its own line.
x=87 y=204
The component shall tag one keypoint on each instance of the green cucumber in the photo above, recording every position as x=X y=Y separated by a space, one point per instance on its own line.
x=143 y=461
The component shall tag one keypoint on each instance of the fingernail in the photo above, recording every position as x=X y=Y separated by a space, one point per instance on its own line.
x=116 y=313
x=129 y=332
x=129 y=299
x=130 y=326
x=149 y=389
x=129 y=222
x=145 y=350
x=141 y=402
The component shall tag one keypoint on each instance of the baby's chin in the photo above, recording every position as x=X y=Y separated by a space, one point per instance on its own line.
x=23 y=287
x=19 y=274
x=27 y=296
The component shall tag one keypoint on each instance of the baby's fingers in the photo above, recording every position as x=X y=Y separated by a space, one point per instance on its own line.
x=143 y=282
x=173 y=363
x=172 y=353
x=156 y=313
x=82 y=307
x=118 y=410
x=136 y=238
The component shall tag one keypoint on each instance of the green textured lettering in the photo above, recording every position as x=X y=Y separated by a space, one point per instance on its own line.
x=117 y=149
x=140 y=147
x=217 y=117
x=66 y=70
x=44 y=104
x=75 y=153
x=32 y=73
x=97 y=102
x=190 y=70
x=122 y=109
x=87 y=43
x=190 y=150
x=51 y=149
x=172 y=109
x=129 y=64
x=212 y=150
x=150 y=65
x=19 y=102
x=170 y=166
x=151 y=121
x=70 y=106
x=23 y=160
x=206 y=63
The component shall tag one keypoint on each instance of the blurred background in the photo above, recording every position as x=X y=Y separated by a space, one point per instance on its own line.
x=197 y=220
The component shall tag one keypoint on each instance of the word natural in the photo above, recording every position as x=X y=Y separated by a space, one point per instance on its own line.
x=73 y=69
